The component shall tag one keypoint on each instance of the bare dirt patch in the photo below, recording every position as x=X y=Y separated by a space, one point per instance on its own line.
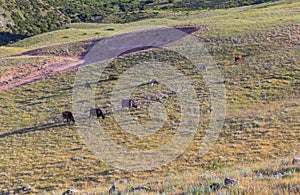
x=57 y=59
x=32 y=72
x=65 y=57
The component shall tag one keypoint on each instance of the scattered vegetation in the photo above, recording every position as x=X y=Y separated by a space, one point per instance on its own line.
x=256 y=146
x=32 y=17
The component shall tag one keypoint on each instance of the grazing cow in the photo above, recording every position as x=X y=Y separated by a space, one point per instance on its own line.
x=228 y=181
x=238 y=58
x=154 y=82
x=87 y=85
x=112 y=190
x=97 y=112
x=128 y=103
x=67 y=115
x=203 y=67
x=296 y=160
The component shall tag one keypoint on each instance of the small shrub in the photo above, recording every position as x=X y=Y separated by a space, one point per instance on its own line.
x=110 y=29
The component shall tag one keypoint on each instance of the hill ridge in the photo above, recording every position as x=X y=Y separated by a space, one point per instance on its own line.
x=31 y=17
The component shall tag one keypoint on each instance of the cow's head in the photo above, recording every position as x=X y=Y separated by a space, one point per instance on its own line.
x=135 y=105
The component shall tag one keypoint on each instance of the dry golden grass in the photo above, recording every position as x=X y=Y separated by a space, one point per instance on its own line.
x=256 y=146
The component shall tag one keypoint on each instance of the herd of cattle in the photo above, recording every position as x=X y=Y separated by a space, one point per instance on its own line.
x=126 y=103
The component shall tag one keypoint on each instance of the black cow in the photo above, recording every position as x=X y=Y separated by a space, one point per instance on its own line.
x=296 y=160
x=154 y=82
x=67 y=115
x=112 y=190
x=129 y=103
x=97 y=112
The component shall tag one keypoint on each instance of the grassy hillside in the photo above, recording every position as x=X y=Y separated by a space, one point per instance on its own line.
x=26 y=18
x=259 y=139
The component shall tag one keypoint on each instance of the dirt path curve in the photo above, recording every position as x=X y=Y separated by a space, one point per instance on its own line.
x=49 y=65
x=25 y=74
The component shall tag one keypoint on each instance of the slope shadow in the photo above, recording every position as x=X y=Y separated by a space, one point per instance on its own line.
x=162 y=34
x=7 y=38
x=33 y=129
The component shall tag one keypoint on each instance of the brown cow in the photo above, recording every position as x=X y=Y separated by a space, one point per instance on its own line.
x=67 y=115
x=238 y=58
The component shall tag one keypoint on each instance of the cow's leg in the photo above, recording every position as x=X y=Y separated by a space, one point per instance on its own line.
x=101 y=114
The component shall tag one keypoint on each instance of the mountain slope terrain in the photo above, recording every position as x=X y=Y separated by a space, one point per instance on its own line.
x=260 y=137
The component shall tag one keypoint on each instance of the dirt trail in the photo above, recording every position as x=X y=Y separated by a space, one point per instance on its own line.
x=54 y=61
x=29 y=73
